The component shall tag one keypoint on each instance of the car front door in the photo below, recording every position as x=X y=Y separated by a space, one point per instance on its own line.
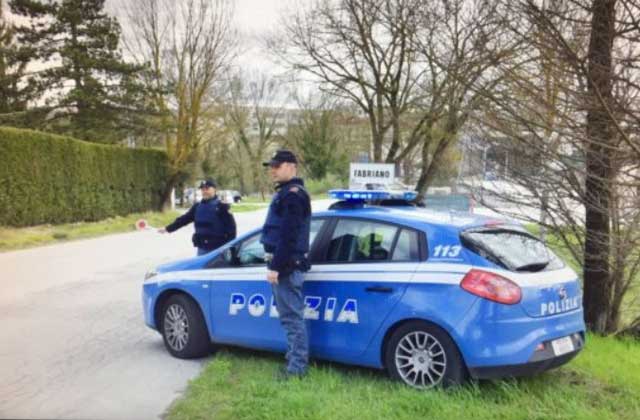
x=357 y=278
x=243 y=309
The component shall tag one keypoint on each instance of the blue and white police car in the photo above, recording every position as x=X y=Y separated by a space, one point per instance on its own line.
x=431 y=297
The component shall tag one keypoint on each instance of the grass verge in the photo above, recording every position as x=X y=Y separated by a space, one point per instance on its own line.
x=19 y=238
x=253 y=206
x=257 y=199
x=601 y=383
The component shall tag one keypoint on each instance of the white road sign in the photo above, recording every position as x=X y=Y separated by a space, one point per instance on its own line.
x=362 y=174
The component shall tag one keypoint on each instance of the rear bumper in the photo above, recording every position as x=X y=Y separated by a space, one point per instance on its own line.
x=493 y=335
x=541 y=361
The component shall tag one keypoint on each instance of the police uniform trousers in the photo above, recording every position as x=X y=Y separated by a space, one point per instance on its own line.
x=290 y=305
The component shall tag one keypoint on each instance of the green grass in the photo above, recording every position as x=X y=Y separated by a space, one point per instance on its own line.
x=257 y=199
x=19 y=238
x=251 y=206
x=603 y=382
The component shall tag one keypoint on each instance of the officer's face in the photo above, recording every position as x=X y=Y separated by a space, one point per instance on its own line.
x=282 y=172
x=208 y=192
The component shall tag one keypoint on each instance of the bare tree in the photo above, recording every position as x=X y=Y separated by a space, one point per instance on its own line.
x=461 y=42
x=188 y=46
x=568 y=106
x=359 y=50
x=413 y=67
x=255 y=114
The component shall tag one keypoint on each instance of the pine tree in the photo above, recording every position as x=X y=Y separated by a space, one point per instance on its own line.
x=90 y=91
x=15 y=90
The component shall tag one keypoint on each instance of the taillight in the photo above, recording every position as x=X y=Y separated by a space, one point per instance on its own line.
x=491 y=286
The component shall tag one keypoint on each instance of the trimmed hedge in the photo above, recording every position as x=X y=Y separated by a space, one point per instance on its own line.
x=45 y=178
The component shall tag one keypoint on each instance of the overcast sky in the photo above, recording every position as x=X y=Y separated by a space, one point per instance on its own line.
x=254 y=19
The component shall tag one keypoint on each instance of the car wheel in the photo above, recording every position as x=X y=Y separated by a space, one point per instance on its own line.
x=183 y=328
x=423 y=356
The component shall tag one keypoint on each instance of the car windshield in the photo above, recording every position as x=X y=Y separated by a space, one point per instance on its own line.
x=512 y=249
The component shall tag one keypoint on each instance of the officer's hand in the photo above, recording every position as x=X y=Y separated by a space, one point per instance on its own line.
x=272 y=277
x=162 y=230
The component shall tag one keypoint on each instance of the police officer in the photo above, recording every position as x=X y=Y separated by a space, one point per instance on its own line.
x=214 y=225
x=285 y=237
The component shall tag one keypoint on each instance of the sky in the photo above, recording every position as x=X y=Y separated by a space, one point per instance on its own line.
x=258 y=15
x=253 y=18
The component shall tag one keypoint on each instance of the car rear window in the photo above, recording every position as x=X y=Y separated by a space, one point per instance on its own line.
x=512 y=249
x=407 y=247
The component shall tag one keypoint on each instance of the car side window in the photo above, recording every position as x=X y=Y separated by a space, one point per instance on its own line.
x=360 y=241
x=250 y=252
x=316 y=225
x=408 y=246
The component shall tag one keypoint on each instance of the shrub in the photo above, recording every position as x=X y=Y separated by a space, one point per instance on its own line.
x=46 y=178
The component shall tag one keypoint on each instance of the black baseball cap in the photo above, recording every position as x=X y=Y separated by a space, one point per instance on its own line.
x=281 y=156
x=209 y=182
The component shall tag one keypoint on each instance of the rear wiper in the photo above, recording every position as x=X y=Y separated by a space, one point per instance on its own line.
x=536 y=266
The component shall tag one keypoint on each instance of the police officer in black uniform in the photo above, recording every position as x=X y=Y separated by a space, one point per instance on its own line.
x=285 y=237
x=214 y=225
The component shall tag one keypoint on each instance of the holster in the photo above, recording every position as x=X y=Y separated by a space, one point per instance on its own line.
x=203 y=241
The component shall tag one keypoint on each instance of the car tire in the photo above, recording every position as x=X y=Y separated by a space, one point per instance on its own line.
x=184 y=330
x=423 y=355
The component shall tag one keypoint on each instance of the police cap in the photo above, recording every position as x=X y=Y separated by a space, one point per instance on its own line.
x=209 y=182
x=281 y=156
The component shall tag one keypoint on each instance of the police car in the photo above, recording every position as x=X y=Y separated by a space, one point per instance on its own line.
x=433 y=298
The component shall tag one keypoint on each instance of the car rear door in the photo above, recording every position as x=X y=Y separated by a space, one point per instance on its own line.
x=358 y=276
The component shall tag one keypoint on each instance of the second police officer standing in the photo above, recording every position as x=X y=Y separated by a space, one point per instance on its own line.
x=214 y=225
x=285 y=237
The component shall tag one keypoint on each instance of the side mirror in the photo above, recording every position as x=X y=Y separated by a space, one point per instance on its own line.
x=231 y=255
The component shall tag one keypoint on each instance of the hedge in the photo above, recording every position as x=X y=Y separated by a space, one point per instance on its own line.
x=45 y=178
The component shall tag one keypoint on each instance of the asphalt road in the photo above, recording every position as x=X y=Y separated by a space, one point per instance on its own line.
x=74 y=344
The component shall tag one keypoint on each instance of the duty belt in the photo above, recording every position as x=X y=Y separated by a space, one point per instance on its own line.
x=268 y=256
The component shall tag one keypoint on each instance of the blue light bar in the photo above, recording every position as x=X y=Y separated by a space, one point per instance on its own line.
x=372 y=195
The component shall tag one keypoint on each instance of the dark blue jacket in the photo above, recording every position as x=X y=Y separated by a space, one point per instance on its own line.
x=213 y=223
x=286 y=231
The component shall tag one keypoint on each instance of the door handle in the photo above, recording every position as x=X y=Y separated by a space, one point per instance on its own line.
x=379 y=289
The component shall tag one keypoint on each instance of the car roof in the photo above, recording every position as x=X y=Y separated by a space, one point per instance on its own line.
x=418 y=217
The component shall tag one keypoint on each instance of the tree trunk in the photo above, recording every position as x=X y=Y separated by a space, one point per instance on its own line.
x=597 y=279
x=395 y=143
x=166 y=195
x=377 y=139
x=425 y=165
